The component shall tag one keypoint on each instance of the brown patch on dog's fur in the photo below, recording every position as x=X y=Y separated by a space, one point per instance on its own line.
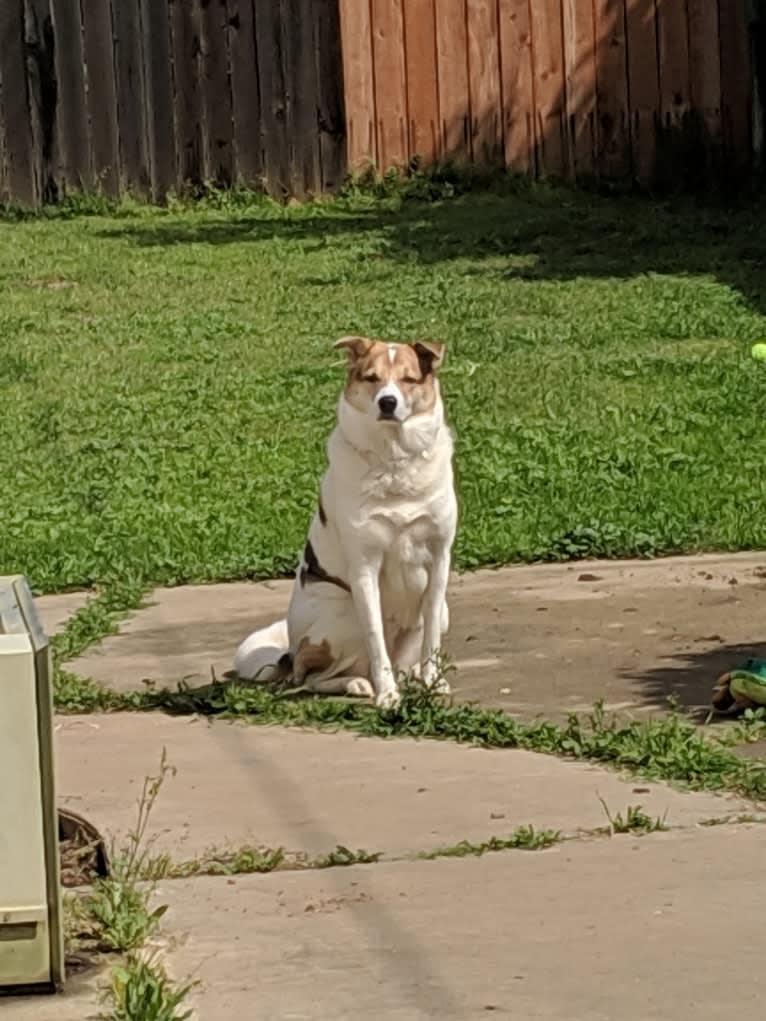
x=322 y=515
x=311 y=659
x=371 y=366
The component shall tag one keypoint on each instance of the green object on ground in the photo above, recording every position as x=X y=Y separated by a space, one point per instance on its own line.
x=749 y=681
x=758 y=351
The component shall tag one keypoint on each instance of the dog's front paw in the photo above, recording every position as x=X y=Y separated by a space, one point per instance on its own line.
x=388 y=698
x=439 y=685
x=434 y=680
x=359 y=687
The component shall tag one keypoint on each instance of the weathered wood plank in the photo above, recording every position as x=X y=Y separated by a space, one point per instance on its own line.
x=72 y=127
x=484 y=81
x=102 y=94
x=245 y=94
x=736 y=89
x=358 y=88
x=216 y=92
x=517 y=88
x=41 y=76
x=271 y=76
x=390 y=91
x=580 y=75
x=185 y=32
x=549 y=87
x=131 y=96
x=613 y=155
x=644 y=88
x=452 y=68
x=155 y=18
x=301 y=86
x=20 y=161
x=421 y=76
x=332 y=122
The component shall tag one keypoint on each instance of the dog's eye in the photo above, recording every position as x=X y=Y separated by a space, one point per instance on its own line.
x=409 y=379
x=371 y=378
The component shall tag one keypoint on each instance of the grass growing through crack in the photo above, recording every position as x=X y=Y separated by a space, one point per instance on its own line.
x=116 y=915
x=635 y=820
x=524 y=838
x=140 y=990
x=168 y=385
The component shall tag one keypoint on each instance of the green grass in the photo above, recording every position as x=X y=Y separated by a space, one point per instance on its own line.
x=167 y=381
x=635 y=820
x=524 y=838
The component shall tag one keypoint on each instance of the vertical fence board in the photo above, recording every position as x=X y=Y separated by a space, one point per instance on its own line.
x=102 y=94
x=484 y=81
x=216 y=92
x=20 y=159
x=41 y=71
x=131 y=95
x=330 y=87
x=644 y=88
x=580 y=73
x=736 y=87
x=73 y=141
x=245 y=94
x=549 y=86
x=422 y=87
x=517 y=90
x=358 y=83
x=185 y=36
x=271 y=75
x=159 y=97
x=613 y=155
x=452 y=69
x=302 y=114
x=390 y=82
x=674 y=64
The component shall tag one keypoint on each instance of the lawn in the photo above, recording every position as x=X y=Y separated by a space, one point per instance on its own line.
x=167 y=377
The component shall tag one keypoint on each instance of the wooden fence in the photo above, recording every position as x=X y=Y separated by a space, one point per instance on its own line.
x=609 y=88
x=153 y=95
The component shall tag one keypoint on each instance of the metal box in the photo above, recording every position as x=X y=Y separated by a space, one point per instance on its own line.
x=31 y=931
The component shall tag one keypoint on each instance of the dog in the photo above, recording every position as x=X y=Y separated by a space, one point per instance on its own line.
x=369 y=597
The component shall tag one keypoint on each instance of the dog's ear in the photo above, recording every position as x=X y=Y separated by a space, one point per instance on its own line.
x=430 y=355
x=357 y=347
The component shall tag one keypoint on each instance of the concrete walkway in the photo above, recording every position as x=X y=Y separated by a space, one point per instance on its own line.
x=597 y=928
x=546 y=640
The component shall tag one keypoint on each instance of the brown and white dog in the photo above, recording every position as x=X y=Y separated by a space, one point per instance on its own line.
x=369 y=597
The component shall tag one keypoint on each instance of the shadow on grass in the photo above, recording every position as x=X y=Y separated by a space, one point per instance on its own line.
x=541 y=234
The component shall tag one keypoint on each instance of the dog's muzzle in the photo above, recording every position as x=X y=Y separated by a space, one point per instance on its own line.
x=387 y=406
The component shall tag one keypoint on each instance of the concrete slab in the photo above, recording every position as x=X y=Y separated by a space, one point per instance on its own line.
x=55 y=611
x=662 y=928
x=309 y=792
x=548 y=639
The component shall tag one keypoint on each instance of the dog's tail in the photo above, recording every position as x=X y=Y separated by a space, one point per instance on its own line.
x=264 y=655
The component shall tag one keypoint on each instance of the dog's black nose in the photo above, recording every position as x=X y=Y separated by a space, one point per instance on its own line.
x=387 y=405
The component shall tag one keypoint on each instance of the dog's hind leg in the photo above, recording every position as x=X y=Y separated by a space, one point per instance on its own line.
x=260 y=657
x=360 y=687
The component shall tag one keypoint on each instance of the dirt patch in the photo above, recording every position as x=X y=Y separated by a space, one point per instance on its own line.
x=83 y=853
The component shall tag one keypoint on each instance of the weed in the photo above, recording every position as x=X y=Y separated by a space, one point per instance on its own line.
x=140 y=990
x=99 y=617
x=751 y=726
x=635 y=820
x=115 y=915
x=218 y=863
x=343 y=856
x=524 y=838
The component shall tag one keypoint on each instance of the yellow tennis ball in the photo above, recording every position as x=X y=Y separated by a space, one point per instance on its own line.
x=758 y=351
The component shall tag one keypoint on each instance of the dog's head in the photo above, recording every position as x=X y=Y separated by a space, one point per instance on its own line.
x=391 y=382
